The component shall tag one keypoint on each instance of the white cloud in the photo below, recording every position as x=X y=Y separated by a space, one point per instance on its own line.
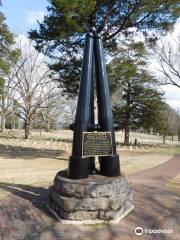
x=172 y=96
x=175 y=104
x=33 y=16
x=176 y=33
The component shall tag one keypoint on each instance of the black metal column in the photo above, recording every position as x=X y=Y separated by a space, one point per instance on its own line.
x=79 y=166
x=92 y=167
x=109 y=165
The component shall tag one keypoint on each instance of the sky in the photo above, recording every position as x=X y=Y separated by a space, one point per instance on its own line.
x=22 y=15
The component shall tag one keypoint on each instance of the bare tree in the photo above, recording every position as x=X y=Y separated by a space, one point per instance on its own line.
x=50 y=113
x=173 y=122
x=167 y=53
x=31 y=84
x=69 y=110
x=170 y=66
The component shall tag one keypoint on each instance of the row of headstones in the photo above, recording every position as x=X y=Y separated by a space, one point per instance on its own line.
x=155 y=141
x=146 y=136
x=55 y=144
x=58 y=142
x=67 y=134
x=65 y=146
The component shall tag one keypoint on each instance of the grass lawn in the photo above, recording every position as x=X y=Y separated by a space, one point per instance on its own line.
x=174 y=184
x=35 y=163
x=133 y=162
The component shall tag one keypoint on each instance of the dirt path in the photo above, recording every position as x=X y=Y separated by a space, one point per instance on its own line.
x=23 y=214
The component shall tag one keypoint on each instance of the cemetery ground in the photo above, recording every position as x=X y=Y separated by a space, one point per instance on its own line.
x=27 y=170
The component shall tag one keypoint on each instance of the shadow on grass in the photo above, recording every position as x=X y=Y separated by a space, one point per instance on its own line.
x=65 y=140
x=9 y=151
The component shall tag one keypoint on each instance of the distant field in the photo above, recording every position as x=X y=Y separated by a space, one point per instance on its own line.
x=67 y=135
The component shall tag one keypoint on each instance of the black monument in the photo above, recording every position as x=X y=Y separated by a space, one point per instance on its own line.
x=81 y=194
x=92 y=139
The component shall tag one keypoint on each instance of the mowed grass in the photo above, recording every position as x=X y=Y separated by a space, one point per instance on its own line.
x=36 y=163
x=132 y=163
x=136 y=160
x=174 y=184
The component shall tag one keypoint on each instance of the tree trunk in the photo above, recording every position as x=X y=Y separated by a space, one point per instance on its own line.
x=178 y=136
x=172 y=137
x=26 y=131
x=27 y=128
x=3 y=122
x=3 y=115
x=135 y=142
x=127 y=120
x=164 y=139
x=13 y=123
x=47 y=126
x=126 y=134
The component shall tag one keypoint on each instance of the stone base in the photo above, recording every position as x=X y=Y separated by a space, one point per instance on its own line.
x=92 y=200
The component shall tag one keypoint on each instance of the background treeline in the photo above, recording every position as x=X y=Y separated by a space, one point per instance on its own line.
x=39 y=76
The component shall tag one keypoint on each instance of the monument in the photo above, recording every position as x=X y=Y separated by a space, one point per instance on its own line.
x=82 y=193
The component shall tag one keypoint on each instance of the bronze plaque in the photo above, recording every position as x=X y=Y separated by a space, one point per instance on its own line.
x=97 y=144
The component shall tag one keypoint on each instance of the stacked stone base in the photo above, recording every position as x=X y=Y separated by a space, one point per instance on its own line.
x=95 y=199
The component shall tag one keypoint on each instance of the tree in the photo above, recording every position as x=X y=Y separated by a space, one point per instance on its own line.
x=31 y=83
x=69 y=112
x=163 y=125
x=178 y=125
x=50 y=114
x=6 y=40
x=60 y=35
x=168 y=59
x=173 y=122
x=140 y=101
x=6 y=102
x=12 y=120
x=6 y=53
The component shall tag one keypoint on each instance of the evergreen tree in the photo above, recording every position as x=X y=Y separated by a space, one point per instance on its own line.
x=6 y=40
x=140 y=103
x=61 y=33
x=7 y=53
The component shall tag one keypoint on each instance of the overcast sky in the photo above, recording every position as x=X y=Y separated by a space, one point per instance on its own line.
x=22 y=15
